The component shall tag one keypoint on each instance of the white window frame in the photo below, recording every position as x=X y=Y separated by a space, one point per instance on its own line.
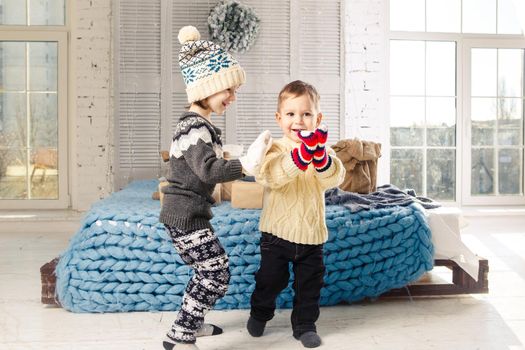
x=509 y=42
x=58 y=34
x=450 y=37
x=463 y=44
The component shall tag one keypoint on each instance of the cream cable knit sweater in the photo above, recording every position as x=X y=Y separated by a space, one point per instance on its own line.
x=294 y=205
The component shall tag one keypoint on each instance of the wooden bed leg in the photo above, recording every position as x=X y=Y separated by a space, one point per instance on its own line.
x=464 y=281
x=48 y=278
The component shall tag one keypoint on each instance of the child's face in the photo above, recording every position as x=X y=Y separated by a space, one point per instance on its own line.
x=221 y=100
x=297 y=113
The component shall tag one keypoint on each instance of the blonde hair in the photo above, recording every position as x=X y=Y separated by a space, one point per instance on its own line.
x=299 y=88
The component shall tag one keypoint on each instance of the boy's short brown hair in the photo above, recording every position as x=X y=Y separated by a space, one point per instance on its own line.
x=299 y=88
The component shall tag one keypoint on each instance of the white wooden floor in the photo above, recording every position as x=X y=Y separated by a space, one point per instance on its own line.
x=493 y=321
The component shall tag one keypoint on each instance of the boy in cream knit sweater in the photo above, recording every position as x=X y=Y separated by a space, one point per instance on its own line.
x=296 y=172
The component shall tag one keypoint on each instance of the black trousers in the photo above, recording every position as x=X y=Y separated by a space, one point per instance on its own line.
x=273 y=276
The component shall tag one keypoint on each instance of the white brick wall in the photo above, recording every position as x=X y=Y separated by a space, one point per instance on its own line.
x=91 y=62
x=92 y=82
x=366 y=78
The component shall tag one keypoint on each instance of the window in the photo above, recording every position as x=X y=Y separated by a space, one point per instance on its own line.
x=151 y=93
x=33 y=91
x=423 y=116
x=456 y=99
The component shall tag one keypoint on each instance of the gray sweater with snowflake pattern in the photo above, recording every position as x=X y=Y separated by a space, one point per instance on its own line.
x=195 y=166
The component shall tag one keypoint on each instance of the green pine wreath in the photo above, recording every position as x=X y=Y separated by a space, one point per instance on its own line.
x=233 y=25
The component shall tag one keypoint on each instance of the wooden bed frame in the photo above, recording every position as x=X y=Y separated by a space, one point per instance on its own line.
x=462 y=283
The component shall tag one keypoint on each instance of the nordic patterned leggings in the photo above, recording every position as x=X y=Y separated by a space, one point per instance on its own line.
x=202 y=250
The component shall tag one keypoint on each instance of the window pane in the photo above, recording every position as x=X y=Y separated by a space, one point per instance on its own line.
x=407 y=116
x=12 y=66
x=509 y=171
x=44 y=141
x=509 y=20
x=483 y=116
x=406 y=169
x=482 y=174
x=13 y=173
x=441 y=68
x=407 y=15
x=444 y=16
x=484 y=72
x=44 y=120
x=441 y=174
x=479 y=16
x=43 y=66
x=29 y=143
x=407 y=67
x=510 y=72
x=509 y=121
x=13 y=12
x=12 y=120
x=46 y=12
x=44 y=173
x=441 y=121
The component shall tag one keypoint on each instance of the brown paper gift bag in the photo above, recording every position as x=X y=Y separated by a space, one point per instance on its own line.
x=360 y=161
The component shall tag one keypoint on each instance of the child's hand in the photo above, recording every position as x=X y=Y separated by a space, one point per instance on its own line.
x=320 y=159
x=256 y=152
x=303 y=155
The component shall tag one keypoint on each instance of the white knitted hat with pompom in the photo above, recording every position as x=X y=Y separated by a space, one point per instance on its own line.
x=205 y=66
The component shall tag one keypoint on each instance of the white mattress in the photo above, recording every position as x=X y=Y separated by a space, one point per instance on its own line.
x=445 y=224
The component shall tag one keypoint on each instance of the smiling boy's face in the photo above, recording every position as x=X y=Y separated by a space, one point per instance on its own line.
x=297 y=113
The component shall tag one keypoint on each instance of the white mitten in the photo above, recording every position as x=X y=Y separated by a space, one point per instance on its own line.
x=256 y=152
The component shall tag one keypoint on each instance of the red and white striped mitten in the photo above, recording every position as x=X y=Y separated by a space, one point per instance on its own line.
x=302 y=156
x=321 y=160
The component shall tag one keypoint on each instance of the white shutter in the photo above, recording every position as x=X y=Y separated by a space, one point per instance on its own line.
x=180 y=101
x=297 y=40
x=220 y=122
x=255 y=113
x=138 y=104
x=331 y=106
x=267 y=66
x=139 y=132
x=139 y=46
x=185 y=13
x=320 y=38
x=270 y=54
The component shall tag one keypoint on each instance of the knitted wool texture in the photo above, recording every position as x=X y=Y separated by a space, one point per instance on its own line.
x=289 y=187
x=205 y=66
x=121 y=259
x=233 y=25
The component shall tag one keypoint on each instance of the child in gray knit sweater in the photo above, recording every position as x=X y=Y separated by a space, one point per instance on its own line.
x=211 y=76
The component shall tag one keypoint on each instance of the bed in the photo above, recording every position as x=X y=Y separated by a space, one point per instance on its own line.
x=121 y=259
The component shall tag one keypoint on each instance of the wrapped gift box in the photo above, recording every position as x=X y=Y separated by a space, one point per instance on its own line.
x=161 y=195
x=246 y=195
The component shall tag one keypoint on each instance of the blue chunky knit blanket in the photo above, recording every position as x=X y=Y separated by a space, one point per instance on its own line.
x=121 y=258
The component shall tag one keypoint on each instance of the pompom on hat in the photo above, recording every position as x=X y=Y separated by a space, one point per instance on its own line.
x=205 y=66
